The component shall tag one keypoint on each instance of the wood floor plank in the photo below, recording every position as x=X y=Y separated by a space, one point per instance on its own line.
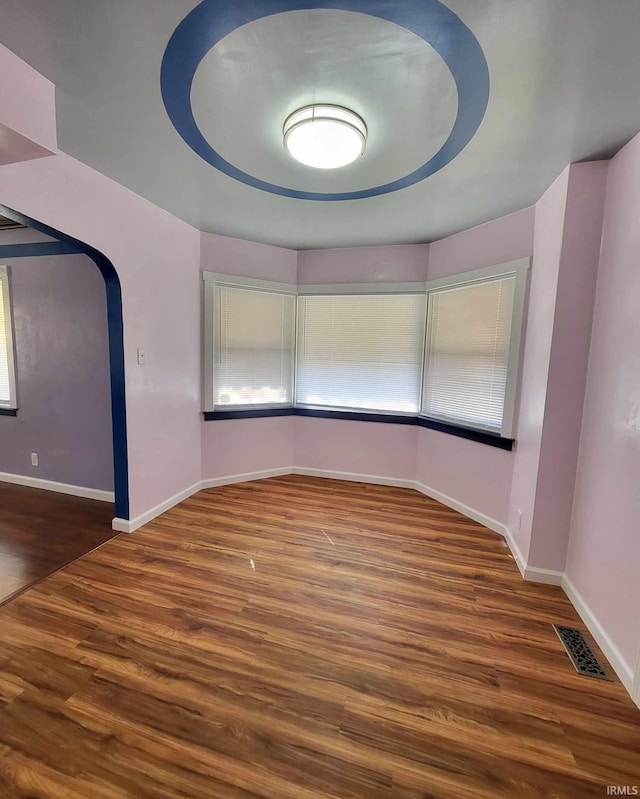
x=42 y=531
x=303 y=638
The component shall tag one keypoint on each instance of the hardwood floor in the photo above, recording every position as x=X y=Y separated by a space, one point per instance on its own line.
x=41 y=531
x=301 y=638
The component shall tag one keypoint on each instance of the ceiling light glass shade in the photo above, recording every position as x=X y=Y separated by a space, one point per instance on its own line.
x=325 y=136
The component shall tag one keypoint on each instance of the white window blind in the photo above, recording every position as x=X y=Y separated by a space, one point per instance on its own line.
x=468 y=333
x=253 y=352
x=6 y=355
x=360 y=351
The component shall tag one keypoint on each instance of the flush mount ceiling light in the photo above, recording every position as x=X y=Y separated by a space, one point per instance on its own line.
x=324 y=136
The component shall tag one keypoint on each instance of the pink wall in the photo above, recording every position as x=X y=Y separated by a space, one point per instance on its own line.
x=158 y=261
x=371 y=448
x=453 y=466
x=62 y=360
x=505 y=239
x=157 y=258
x=567 y=372
x=15 y=148
x=565 y=264
x=470 y=473
x=547 y=248
x=230 y=256
x=405 y=263
x=604 y=548
x=240 y=446
x=27 y=101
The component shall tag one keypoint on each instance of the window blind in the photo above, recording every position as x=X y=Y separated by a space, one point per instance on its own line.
x=253 y=351
x=467 y=355
x=360 y=351
x=5 y=385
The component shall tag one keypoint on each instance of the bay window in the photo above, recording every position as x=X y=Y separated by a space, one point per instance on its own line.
x=445 y=352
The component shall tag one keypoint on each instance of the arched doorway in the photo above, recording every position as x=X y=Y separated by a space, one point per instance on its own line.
x=116 y=351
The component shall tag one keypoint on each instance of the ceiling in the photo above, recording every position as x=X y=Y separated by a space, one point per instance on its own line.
x=473 y=108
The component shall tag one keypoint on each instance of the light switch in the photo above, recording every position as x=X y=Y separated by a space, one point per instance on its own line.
x=142 y=357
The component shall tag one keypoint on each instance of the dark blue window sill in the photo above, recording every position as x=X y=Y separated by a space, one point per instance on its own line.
x=481 y=436
x=8 y=411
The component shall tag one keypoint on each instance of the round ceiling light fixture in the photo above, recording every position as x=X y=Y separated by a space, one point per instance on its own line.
x=325 y=136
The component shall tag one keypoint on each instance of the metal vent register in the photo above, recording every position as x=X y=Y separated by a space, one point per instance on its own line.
x=580 y=652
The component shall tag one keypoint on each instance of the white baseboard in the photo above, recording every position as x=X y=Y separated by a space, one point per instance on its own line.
x=245 y=478
x=611 y=652
x=465 y=510
x=546 y=576
x=60 y=488
x=130 y=525
x=354 y=477
x=521 y=563
x=531 y=573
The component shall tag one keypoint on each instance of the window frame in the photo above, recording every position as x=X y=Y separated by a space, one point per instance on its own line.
x=213 y=280
x=5 y=280
x=519 y=269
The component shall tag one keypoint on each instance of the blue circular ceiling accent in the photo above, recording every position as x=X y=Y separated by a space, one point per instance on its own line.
x=431 y=20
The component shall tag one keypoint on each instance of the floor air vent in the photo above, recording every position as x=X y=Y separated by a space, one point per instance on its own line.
x=581 y=653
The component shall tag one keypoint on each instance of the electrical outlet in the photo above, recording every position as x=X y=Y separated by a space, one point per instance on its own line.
x=519 y=519
x=34 y=458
